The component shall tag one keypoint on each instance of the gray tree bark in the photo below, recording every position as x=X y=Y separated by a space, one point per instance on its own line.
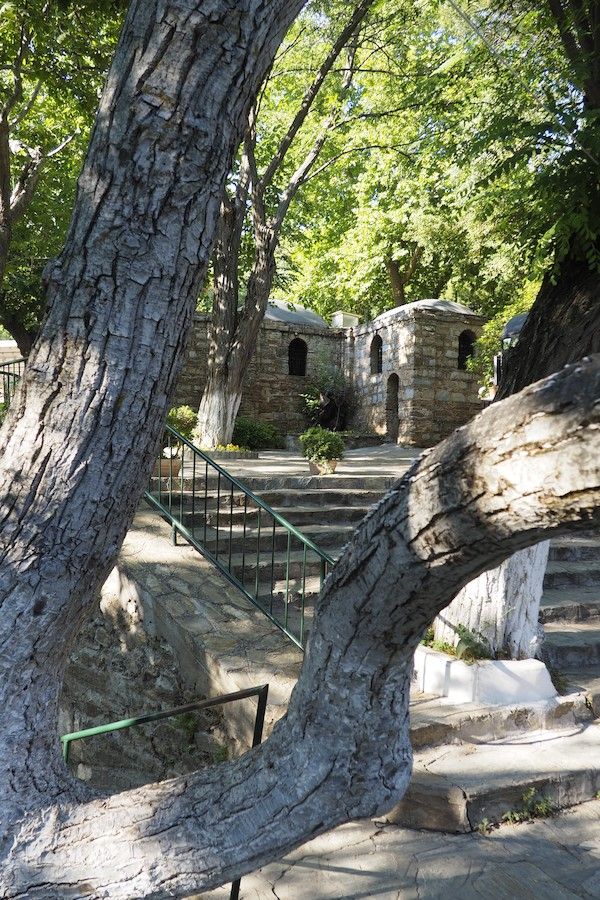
x=80 y=439
x=524 y=469
x=502 y=606
x=78 y=446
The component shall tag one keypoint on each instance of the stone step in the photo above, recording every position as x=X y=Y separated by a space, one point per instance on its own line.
x=434 y=721
x=571 y=645
x=290 y=500
x=577 y=547
x=232 y=538
x=319 y=483
x=301 y=517
x=575 y=604
x=567 y=574
x=457 y=788
x=245 y=570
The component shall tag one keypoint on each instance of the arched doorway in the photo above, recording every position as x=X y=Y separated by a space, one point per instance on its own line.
x=392 y=422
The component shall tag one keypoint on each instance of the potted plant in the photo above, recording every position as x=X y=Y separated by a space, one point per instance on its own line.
x=322 y=448
x=183 y=420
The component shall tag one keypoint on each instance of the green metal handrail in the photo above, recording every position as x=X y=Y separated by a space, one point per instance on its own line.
x=10 y=374
x=240 y=533
x=261 y=691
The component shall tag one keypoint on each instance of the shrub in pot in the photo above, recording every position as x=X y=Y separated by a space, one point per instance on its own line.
x=322 y=448
x=183 y=420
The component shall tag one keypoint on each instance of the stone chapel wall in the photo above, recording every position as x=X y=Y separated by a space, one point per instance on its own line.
x=270 y=393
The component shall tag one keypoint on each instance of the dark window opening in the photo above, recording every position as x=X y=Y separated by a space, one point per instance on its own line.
x=297 y=357
x=466 y=348
x=376 y=355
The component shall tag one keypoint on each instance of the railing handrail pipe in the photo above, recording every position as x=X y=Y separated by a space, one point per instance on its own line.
x=246 y=490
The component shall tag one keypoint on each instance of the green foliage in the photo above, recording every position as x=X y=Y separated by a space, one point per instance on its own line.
x=534 y=806
x=220 y=755
x=485 y=827
x=428 y=640
x=320 y=444
x=255 y=435
x=182 y=419
x=189 y=723
x=489 y=343
x=472 y=645
x=67 y=51
x=3 y=411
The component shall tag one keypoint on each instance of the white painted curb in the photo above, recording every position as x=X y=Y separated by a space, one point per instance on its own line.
x=489 y=682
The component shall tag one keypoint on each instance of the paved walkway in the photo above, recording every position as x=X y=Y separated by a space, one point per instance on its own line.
x=386 y=459
x=543 y=860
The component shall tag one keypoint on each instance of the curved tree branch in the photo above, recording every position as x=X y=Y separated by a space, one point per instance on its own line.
x=523 y=470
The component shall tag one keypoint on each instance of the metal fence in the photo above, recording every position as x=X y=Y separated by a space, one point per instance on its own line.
x=261 y=692
x=275 y=566
x=10 y=374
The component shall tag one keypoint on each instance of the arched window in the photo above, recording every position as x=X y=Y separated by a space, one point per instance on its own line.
x=376 y=355
x=297 y=357
x=466 y=348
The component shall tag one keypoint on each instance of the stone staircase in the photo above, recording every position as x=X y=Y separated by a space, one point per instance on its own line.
x=475 y=767
x=570 y=608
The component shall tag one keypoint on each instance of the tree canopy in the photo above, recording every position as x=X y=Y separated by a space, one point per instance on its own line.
x=53 y=61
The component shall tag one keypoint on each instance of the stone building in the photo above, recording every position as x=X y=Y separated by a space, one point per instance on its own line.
x=408 y=368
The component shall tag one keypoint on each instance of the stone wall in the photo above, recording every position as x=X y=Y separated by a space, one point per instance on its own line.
x=445 y=397
x=122 y=668
x=270 y=394
x=9 y=351
x=420 y=385
x=420 y=348
x=372 y=390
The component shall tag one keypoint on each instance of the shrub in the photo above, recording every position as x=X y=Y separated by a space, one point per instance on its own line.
x=320 y=444
x=183 y=420
x=3 y=411
x=256 y=435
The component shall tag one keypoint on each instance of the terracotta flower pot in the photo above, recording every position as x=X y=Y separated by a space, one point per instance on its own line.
x=165 y=467
x=322 y=466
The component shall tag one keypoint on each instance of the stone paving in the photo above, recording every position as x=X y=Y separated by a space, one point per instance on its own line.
x=542 y=860
x=386 y=459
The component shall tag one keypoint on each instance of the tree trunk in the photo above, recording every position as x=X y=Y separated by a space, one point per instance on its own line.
x=82 y=433
x=233 y=335
x=219 y=408
x=396 y=281
x=524 y=469
x=502 y=606
x=562 y=326
x=21 y=335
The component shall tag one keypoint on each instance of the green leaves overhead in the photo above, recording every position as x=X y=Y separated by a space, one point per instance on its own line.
x=53 y=61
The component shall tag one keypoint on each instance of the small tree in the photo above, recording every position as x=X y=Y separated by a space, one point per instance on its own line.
x=234 y=331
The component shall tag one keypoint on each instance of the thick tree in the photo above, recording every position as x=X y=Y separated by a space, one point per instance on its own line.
x=79 y=443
